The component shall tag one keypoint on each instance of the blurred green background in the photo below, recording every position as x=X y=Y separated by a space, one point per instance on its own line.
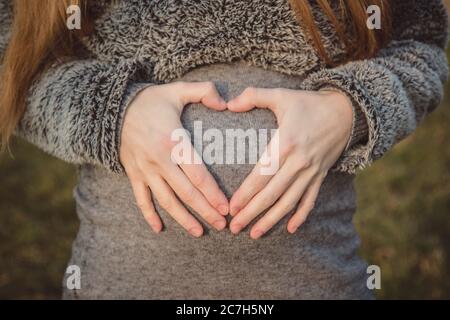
x=403 y=217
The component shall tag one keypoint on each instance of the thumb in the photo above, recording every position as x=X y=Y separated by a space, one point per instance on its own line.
x=252 y=98
x=202 y=92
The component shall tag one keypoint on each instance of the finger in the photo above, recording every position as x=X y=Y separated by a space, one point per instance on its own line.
x=169 y=202
x=254 y=183
x=283 y=206
x=305 y=206
x=189 y=194
x=264 y=199
x=267 y=166
x=144 y=202
x=202 y=92
x=202 y=179
x=254 y=97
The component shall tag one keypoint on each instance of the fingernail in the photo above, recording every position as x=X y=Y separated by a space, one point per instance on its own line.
x=257 y=234
x=223 y=209
x=196 y=232
x=293 y=229
x=219 y=225
x=236 y=228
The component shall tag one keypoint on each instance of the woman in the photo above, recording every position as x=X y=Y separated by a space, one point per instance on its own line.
x=108 y=98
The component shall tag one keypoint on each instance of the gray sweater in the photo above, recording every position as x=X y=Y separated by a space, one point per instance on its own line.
x=75 y=111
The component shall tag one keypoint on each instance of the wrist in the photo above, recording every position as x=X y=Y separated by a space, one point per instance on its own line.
x=342 y=103
x=359 y=127
x=341 y=99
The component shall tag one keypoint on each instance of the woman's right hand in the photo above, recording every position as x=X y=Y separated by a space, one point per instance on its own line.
x=145 y=153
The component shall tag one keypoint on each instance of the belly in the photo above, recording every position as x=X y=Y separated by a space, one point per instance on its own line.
x=323 y=251
x=225 y=138
x=230 y=143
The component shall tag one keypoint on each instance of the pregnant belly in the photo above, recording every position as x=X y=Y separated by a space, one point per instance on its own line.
x=230 y=143
x=113 y=230
x=110 y=200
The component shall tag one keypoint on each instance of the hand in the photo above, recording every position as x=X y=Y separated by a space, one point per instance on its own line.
x=314 y=128
x=145 y=153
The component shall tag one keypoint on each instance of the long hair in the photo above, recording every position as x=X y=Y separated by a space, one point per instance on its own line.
x=349 y=18
x=39 y=36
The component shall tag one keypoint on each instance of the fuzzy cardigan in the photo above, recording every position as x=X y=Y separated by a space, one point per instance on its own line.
x=76 y=108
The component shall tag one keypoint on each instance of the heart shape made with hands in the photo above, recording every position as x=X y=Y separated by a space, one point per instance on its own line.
x=311 y=131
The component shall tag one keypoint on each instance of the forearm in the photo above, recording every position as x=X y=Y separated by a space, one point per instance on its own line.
x=75 y=110
x=394 y=91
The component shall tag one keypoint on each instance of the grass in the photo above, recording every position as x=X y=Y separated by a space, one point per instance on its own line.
x=403 y=213
x=37 y=223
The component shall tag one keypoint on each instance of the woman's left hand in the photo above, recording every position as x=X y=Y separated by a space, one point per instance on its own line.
x=313 y=131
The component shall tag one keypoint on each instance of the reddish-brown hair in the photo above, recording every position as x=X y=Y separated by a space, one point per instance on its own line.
x=349 y=18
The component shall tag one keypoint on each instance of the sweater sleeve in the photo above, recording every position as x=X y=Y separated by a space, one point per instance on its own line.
x=394 y=91
x=74 y=110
